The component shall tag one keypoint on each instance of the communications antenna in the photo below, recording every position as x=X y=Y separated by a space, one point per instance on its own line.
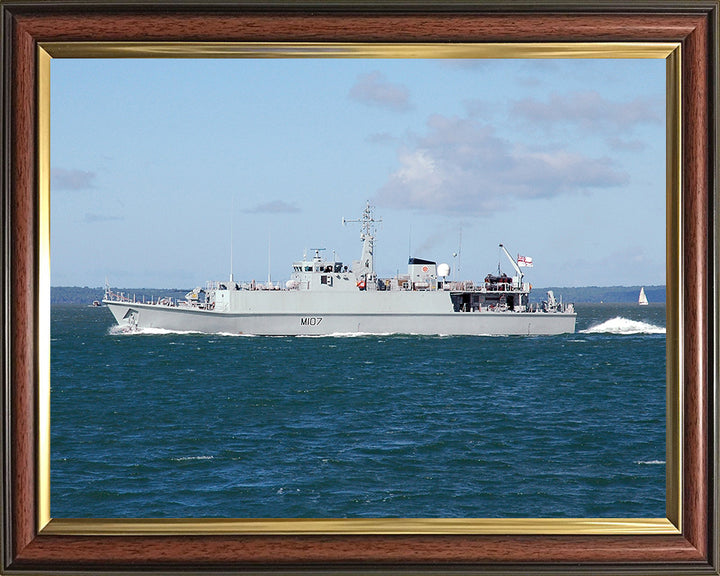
x=232 y=212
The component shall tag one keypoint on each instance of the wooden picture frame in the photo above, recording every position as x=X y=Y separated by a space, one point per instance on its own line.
x=685 y=543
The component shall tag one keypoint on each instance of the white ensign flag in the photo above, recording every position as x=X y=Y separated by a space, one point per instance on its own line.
x=525 y=261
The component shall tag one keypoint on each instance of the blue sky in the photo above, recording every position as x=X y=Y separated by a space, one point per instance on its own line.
x=153 y=162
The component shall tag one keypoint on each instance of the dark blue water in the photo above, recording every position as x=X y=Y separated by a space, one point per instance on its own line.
x=190 y=425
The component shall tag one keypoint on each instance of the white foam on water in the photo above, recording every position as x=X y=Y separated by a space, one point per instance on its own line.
x=619 y=325
x=131 y=331
x=650 y=462
x=121 y=330
x=165 y=331
x=182 y=458
x=241 y=334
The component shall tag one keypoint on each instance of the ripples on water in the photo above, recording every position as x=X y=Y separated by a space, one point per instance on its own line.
x=193 y=425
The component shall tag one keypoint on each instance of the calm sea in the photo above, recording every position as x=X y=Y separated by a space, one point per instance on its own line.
x=190 y=425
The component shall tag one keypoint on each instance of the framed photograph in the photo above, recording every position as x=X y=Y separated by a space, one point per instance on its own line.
x=681 y=36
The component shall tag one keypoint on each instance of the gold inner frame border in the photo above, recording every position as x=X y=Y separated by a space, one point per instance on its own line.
x=671 y=52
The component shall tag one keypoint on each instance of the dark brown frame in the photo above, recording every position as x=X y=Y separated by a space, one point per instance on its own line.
x=25 y=24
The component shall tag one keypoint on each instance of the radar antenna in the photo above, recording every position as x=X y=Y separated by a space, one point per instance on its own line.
x=367 y=230
x=317 y=252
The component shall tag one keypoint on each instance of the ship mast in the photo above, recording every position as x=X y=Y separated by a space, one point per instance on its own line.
x=365 y=267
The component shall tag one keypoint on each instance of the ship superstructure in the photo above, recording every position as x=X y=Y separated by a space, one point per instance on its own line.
x=326 y=296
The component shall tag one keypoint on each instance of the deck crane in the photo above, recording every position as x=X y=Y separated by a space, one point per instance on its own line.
x=514 y=265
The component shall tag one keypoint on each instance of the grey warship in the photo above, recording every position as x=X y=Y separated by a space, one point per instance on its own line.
x=326 y=297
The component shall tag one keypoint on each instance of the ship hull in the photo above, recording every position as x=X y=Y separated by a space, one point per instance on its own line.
x=284 y=323
x=324 y=297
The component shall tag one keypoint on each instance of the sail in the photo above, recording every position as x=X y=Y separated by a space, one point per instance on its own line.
x=642 y=299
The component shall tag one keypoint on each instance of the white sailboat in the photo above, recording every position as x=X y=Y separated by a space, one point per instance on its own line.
x=642 y=299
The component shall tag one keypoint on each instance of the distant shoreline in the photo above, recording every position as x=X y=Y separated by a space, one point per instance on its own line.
x=583 y=294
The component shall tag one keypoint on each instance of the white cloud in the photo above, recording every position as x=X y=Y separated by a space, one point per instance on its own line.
x=461 y=166
x=632 y=145
x=374 y=89
x=274 y=207
x=589 y=110
x=64 y=179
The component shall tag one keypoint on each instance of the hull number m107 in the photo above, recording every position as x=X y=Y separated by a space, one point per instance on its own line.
x=311 y=321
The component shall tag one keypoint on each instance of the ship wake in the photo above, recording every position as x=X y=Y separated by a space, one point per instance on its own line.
x=133 y=331
x=623 y=326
